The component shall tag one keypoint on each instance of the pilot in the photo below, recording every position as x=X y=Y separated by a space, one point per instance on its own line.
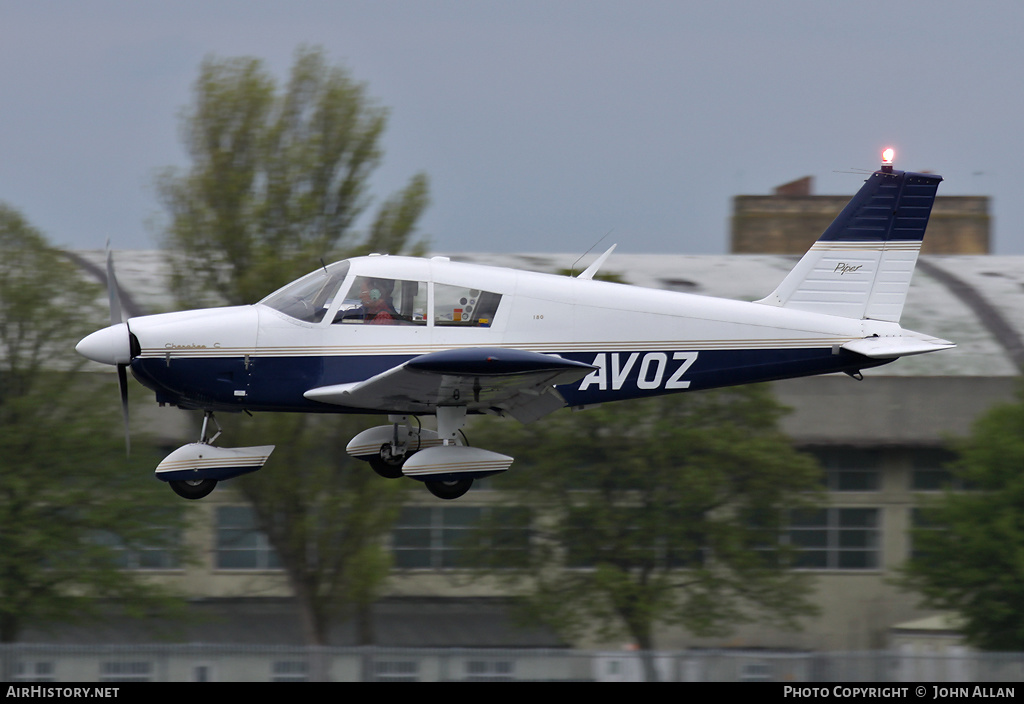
x=375 y=295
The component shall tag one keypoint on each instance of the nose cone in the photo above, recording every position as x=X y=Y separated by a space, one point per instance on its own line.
x=107 y=346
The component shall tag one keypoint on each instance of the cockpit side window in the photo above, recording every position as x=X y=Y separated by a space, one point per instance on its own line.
x=379 y=301
x=460 y=306
x=309 y=298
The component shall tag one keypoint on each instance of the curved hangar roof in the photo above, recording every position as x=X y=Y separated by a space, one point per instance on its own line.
x=975 y=301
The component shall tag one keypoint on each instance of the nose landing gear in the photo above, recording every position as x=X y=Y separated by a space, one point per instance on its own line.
x=193 y=488
x=193 y=470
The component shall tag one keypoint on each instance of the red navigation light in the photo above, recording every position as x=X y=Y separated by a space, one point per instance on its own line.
x=887 y=154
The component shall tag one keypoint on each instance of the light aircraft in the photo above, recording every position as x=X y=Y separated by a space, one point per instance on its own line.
x=406 y=337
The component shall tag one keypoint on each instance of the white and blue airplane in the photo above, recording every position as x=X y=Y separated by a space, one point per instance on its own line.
x=405 y=337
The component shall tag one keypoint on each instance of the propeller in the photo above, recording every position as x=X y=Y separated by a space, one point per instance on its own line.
x=114 y=345
x=116 y=318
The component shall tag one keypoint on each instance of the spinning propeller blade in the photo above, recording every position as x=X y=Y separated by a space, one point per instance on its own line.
x=122 y=383
x=117 y=317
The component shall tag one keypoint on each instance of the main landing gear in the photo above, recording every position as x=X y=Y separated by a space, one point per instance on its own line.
x=450 y=488
x=441 y=459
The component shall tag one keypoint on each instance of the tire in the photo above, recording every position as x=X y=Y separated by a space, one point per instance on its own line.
x=193 y=489
x=451 y=489
x=387 y=465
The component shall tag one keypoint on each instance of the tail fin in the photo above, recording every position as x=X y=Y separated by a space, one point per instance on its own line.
x=862 y=264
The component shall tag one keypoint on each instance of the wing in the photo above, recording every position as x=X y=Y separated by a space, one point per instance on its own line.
x=517 y=382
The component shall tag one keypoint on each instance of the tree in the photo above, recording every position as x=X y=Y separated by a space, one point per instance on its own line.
x=661 y=511
x=324 y=513
x=71 y=509
x=278 y=182
x=969 y=544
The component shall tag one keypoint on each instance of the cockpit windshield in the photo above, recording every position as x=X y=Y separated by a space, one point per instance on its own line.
x=309 y=298
x=375 y=300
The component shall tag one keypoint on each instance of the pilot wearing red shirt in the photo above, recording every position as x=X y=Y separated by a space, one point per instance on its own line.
x=375 y=295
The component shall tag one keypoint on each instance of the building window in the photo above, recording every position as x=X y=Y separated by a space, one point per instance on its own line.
x=240 y=545
x=629 y=540
x=202 y=673
x=126 y=671
x=34 y=671
x=920 y=519
x=836 y=538
x=490 y=670
x=139 y=557
x=437 y=537
x=850 y=468
x=388 y=670
x=930 y=470
x=290 y=671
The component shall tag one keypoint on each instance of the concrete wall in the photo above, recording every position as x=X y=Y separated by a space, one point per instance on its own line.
x=893 y=410
x=790 y=224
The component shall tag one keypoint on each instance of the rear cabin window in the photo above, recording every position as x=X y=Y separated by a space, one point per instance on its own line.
x=458 y=306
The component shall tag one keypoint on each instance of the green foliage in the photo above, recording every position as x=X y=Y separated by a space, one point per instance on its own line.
x=278 y=182
x=71 y=505
x=323 y=512
x=969 y=546
x=661 y=511
x=278 y=179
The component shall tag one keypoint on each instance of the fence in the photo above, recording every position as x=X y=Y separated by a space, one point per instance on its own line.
x=32 y=663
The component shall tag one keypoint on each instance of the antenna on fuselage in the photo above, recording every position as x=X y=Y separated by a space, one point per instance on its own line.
x=593 y=268
x=572 y=270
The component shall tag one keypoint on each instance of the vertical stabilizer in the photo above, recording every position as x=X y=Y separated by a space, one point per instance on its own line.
x=862 y=265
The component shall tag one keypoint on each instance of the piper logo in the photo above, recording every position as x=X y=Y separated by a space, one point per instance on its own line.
x=655 y=370
x=844 y=268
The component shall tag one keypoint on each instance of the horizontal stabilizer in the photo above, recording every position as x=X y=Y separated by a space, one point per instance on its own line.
x=892 y=347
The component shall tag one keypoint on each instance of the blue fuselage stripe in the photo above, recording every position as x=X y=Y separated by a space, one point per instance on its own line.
x=278 y=383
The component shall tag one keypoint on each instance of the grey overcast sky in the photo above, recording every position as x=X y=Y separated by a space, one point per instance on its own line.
x=542 y=124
